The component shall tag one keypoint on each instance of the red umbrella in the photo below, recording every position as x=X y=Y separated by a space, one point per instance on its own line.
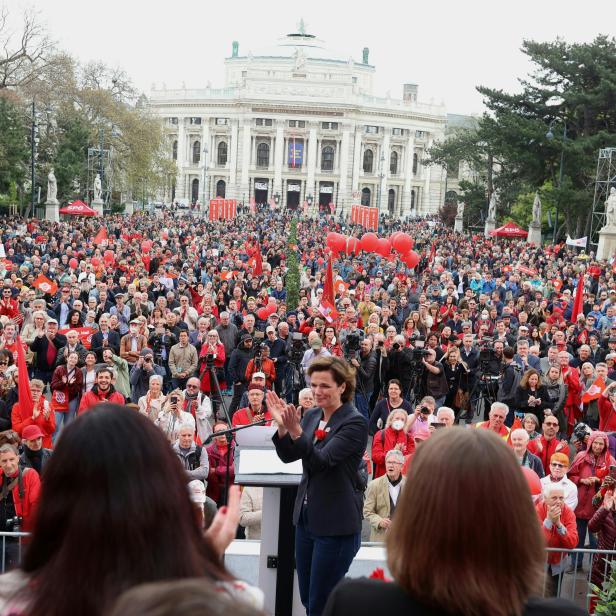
x=509 y=229
x=78 y=208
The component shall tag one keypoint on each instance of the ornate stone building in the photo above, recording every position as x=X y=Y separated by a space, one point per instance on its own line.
x=297 y=121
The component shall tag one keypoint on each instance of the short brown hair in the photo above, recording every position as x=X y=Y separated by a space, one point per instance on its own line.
x=342 y=373
x=436 y=550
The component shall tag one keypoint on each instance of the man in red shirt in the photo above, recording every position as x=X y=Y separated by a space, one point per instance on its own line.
x=9 y=307
x=255 y=411
x=547 y=444
x=103 y=391
x=496 y=420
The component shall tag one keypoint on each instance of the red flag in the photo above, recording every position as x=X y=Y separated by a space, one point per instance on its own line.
x=578 y=301
x=100 y=236
x=45 y=285
x=24 y=395
x=594 y=391
x=328 y=287
x=328 y=311
x=432 y=252
x=517 y=423
x=258 y=270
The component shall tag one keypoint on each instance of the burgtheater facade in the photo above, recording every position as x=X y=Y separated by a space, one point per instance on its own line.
x=298 y=123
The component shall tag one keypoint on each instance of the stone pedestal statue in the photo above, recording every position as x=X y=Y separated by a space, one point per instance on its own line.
x=491 y=219
x=458 y=225
x=607 y=235
x=52 y=206
x=534 y=229
x=97 y=203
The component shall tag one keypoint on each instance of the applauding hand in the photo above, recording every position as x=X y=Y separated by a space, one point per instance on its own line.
x=285 y=415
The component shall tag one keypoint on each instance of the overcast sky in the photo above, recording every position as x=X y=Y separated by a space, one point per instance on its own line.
x=447 y=47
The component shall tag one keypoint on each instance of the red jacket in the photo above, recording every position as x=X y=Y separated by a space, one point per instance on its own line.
x=219 y=362
x=607 y=415
x=93 y=397
x=21 y=419
x=242 y=417
x=218 y=467
x=545 y=449
x=27 y=508
x=10 y=309
x=386 y=440
x=553 y=538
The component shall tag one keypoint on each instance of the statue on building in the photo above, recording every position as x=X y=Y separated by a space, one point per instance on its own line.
x=610 y=209
x=301 y=27
x=98 y=187
x=235 y=47
x=492 y=207
x=460 y=212
x=52 y=187
x=365 y=53
x=537 y=209
x=300 y=59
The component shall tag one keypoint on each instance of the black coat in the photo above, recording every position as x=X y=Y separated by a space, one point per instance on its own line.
x=331 y=479
x=113 y=343
x=368 y=597
x=40 y=346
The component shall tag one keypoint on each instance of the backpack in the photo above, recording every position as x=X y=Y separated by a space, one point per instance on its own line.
x=508 y=396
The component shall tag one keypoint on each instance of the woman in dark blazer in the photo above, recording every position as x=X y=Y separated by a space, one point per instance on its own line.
x=442 y=560
x=330 y=440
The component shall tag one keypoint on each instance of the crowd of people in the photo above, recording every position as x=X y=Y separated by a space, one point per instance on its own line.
x=193 y=324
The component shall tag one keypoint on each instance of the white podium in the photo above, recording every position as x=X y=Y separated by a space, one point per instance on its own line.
x=257 y=464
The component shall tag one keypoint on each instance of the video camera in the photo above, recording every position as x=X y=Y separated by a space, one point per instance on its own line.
x=486 y=351
x=298 y=347
x=418 y=351
x=352 y=345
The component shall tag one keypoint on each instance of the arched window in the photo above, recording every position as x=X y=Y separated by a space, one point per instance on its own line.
x=415 y=163
x=263 y=152
x=174 y=150
x=391 y=200
x=196 y=152
x=222 y=153
x=368 y=161
x=327 y=158
x=194 y=193
x=393 y=163
x=221 y=188
x=365 y=196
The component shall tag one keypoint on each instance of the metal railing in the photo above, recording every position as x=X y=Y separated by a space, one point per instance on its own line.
x=11 y=549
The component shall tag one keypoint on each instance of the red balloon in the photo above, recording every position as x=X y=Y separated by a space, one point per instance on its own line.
x=96 y=261
x=534 y=483
x=383 y=247
x=262 y=313
x=369 y=242
x=340 y=242
x=108 y=256
x=271 y=308
x=352 y=246
x=402 y=243
x=330 y=239
x=73 y=263
x=411 y=259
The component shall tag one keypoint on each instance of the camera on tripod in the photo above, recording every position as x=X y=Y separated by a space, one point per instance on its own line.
x=298 y=347
x=418 y=350
x=351 y=346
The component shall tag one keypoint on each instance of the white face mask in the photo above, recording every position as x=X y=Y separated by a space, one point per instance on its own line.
x=133 y=329
x=397 y=425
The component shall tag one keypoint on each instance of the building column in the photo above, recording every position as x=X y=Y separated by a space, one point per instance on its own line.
x=245 y=161
x=356 y=163
x=312 y=159
x=278 y=159
x=204 y=191
x=405 y=204
x=343 y=156
x=180 y=184
x=232 y=188
x=384 y=169
x=427 y=176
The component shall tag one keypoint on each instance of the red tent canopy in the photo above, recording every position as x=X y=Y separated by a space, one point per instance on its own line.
x=78 y=208
x=509 y=229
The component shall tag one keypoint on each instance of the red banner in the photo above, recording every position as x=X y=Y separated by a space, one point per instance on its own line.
x=373 y=218
x=223 y=209
x=367 y=217
x=85 y=334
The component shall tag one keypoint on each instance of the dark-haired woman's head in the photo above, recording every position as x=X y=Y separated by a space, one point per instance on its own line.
x=114 y=512
x=465 y=534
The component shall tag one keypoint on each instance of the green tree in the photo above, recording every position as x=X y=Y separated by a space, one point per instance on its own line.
x=14 y=150
x=292 y=281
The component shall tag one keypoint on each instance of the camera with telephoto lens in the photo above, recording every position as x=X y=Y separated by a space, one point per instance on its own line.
x=418 y=352
x=486 y=351
x=351 y=346
x=15 y=523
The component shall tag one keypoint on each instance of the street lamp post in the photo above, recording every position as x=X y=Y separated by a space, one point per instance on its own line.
x=549 y=136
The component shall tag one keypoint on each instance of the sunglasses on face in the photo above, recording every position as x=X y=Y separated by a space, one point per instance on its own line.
x=557 y=465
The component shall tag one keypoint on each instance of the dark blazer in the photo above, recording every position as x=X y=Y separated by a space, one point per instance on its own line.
x=368 y=597
x=113 y=341
x=39 y=346
x=331 y=479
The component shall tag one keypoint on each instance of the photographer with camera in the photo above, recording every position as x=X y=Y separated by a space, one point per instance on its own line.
x=141 y=372
x=278 y=354
x=172 y=418
x=433 y=380
x=19 y=494
x=511 y=377
x=262 y=363
x=364 y=363
x=399 y=360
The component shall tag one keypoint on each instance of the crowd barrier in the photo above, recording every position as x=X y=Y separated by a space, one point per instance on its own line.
x=243 y=556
